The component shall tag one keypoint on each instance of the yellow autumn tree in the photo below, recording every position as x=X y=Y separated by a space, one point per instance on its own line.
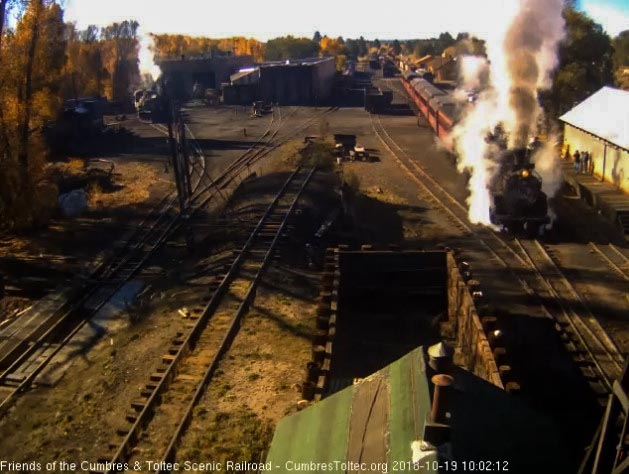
x=102 y=61
x=334 y=47
x=331 y=47
x=83 y=73
x=120 y=48
x=32 y=57
x=167 y=46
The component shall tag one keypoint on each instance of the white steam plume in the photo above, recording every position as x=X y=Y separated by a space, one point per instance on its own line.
x=522 y=53
x=473 y=76
x=548 y=166
x=147 y=65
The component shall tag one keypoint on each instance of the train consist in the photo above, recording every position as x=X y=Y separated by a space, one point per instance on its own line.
x=438 y=107
x=518 y=202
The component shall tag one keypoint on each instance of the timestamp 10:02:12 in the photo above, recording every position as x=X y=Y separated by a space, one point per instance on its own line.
x=467 y=466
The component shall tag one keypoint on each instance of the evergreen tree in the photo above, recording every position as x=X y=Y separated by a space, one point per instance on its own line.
x=396 y=47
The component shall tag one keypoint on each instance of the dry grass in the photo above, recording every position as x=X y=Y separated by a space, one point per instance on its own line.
x=351 y=179
x=319 y=154
x=238 y=435
x=257 y=383
x=284 y=158
x=381 y=194
x=132 y=184
x=297 y=153
x=75 y=165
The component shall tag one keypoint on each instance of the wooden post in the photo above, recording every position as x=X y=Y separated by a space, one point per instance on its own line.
x=604 y=160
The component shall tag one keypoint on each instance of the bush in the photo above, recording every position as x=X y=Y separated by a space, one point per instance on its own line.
x=352 y=181
x=319 y=154
x=25 y=207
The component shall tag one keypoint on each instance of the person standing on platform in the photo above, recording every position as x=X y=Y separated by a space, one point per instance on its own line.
x=585 y=162
x=577 y=161
x=567 y=155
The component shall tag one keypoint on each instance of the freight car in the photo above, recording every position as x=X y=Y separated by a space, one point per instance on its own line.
x=389 y=69
x=519 y=204
x=377 y=100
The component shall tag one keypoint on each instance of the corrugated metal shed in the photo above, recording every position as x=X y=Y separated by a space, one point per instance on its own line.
x=604 y=114
x=376 y=420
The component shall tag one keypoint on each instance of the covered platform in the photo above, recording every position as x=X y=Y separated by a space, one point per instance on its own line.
x=600 y=126
x=605 y=197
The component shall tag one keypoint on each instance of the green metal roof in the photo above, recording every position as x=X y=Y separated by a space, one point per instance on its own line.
x=370 y=426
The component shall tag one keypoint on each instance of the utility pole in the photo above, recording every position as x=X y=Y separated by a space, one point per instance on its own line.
x=183 y=142
x=169 y=112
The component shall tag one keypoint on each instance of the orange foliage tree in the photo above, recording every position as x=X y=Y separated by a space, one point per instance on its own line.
x=167 y=46
x=32 y=56
x=331 y=47
x=336 y=48
x=102 y=61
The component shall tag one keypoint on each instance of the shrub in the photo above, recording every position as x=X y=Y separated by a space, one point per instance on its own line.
x=319 y=154
x=352 y=181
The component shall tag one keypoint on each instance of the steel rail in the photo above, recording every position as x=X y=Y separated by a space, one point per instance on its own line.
x=144 y=415
x=172 y=226
x=605 y=378
x=624 y=274
x=576 y=322
x=170 y=452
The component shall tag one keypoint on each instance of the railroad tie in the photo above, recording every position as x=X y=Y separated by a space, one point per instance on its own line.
x=513 y=388
x=138 y=405
x=157 y=376
x=170 y=357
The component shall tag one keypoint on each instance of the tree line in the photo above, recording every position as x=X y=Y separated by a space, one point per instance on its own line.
x=588 y=60
x=171 y=46
x=42 y=62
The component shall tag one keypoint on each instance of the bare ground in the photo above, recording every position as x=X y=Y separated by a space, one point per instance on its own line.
x=76 y=419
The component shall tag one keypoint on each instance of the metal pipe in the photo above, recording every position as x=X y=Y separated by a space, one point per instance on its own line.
x=440 y=397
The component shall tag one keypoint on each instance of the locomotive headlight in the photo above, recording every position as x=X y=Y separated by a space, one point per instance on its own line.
x=524 y=173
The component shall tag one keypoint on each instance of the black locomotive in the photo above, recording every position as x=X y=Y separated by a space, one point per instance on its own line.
x=519 y=204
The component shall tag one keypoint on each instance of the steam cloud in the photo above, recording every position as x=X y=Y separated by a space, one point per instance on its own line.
x=522 y=54
x=147 y=65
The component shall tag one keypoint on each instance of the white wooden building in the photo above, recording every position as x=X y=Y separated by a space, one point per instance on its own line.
x=600 y=126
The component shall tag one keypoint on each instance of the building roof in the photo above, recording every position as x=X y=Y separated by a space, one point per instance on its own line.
x=603 y=114
x=298 y=62
x=423 y=59
x=378 y=419
x=208 y=57
x=237 y=77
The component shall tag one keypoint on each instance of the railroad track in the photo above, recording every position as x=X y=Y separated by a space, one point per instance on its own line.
x=580 y=328
x=27 y=349
x=29 y=352
x=157 y=420
x=532 y=265
x=613 y=257
x=266 y=144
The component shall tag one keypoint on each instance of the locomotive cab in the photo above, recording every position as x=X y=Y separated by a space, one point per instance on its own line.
x=518 y=200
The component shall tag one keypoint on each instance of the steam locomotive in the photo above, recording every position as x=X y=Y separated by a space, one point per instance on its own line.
x=519 y=204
